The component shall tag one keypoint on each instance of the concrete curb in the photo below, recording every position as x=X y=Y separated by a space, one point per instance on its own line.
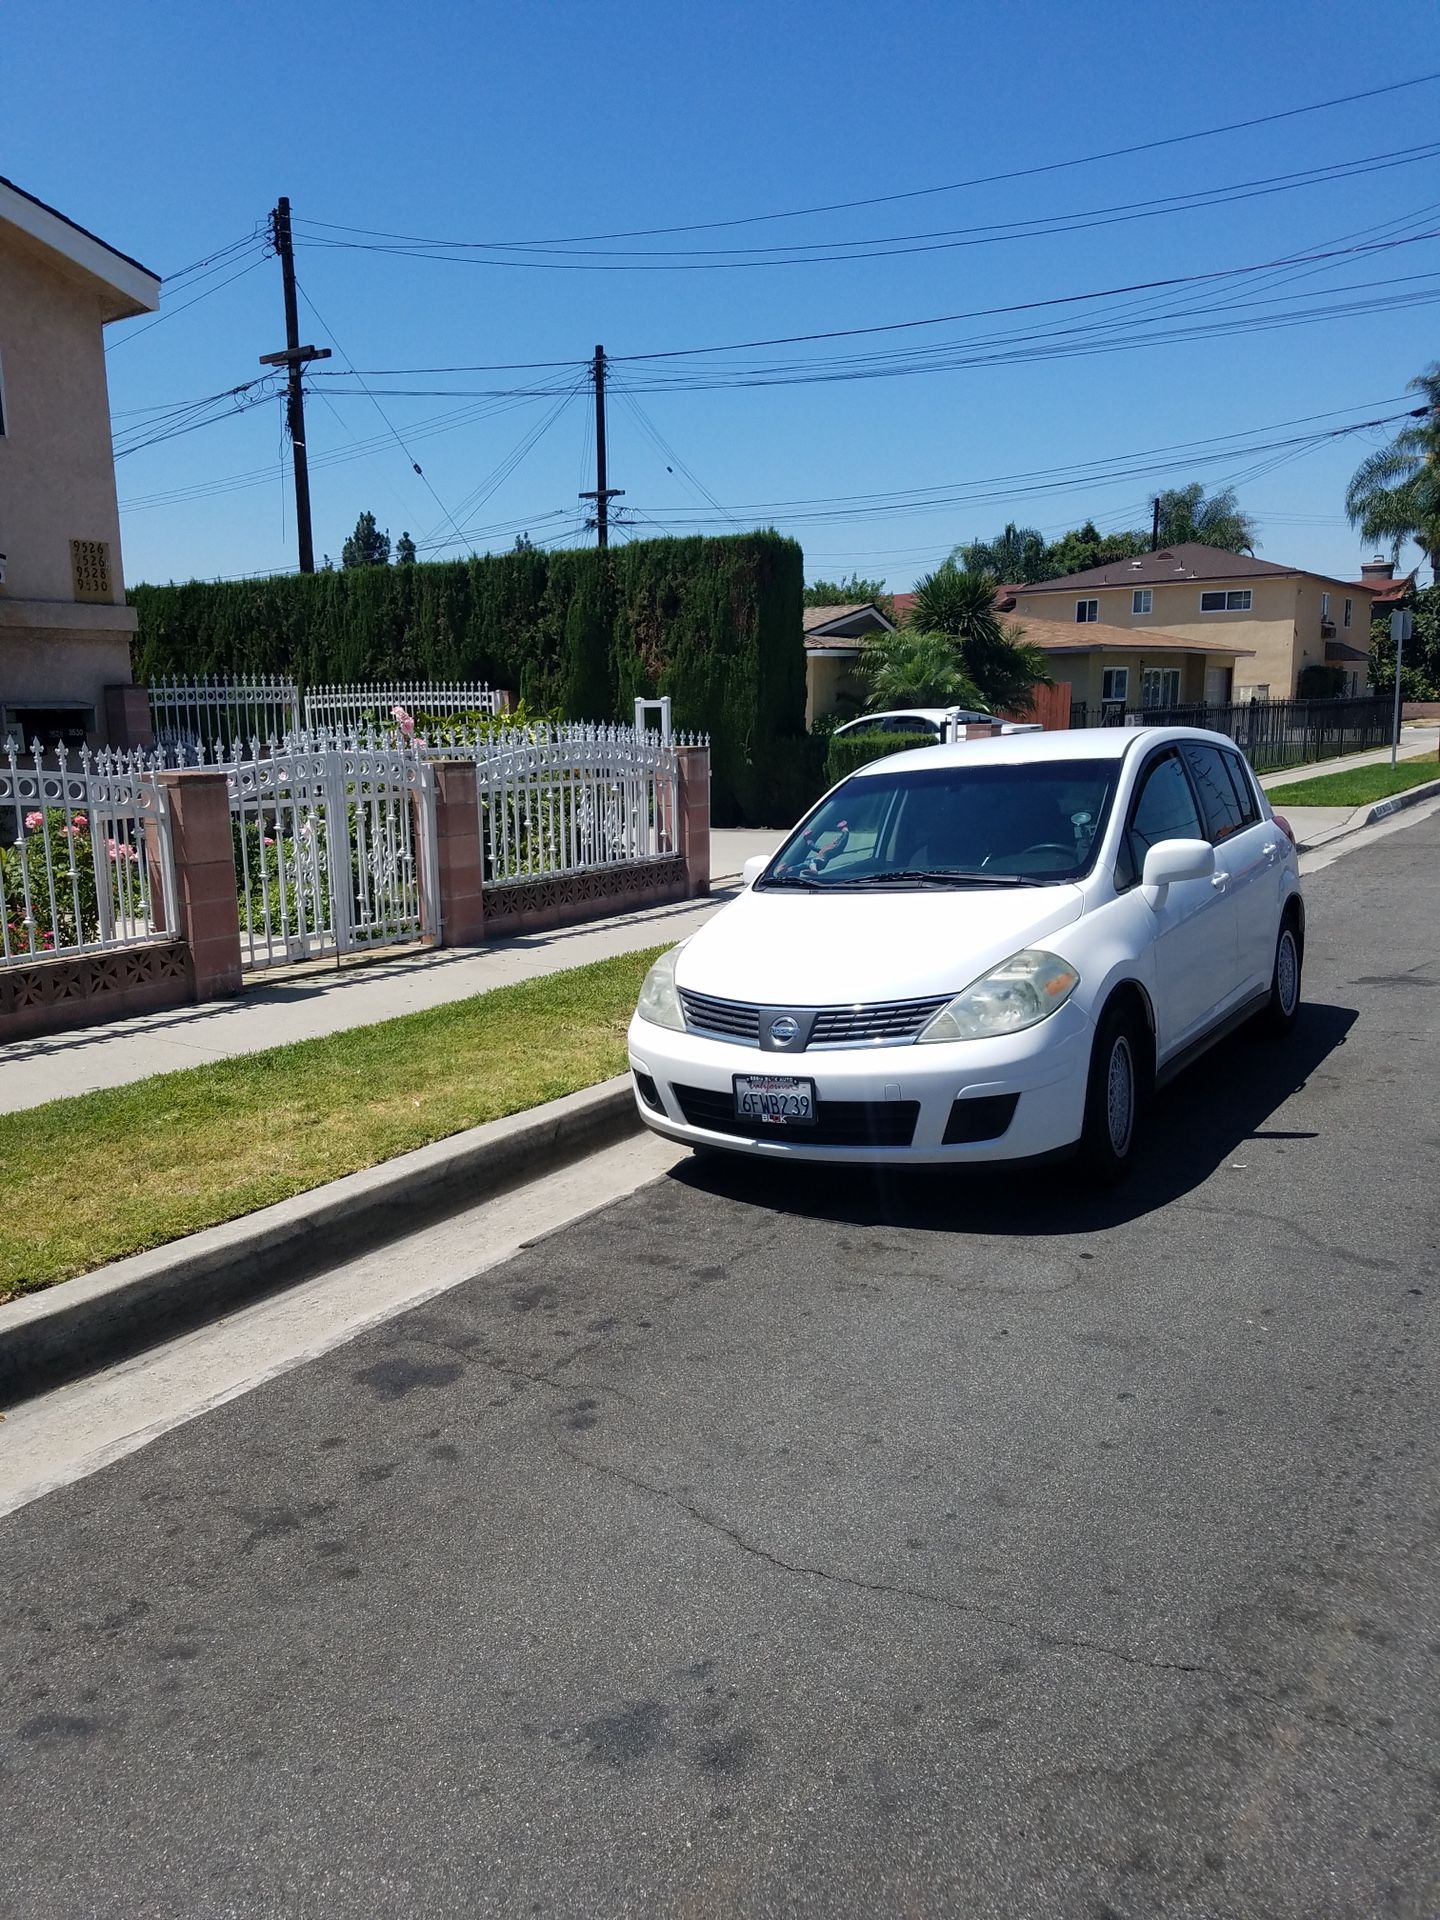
x=80 y=1325
x=1371 y=815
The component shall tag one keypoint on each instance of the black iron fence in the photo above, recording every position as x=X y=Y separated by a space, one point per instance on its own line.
x=1271 y=733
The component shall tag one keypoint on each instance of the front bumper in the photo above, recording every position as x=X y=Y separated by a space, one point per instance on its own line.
x=1045 y=1067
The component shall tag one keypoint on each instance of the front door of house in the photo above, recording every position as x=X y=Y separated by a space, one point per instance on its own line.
x=1217 y=686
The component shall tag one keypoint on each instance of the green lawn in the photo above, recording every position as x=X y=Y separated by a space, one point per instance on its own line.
x=90 y=1179
x=1356 y=788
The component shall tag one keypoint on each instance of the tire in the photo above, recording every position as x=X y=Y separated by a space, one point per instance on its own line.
x=1283 y=1008
x=1116 y=1096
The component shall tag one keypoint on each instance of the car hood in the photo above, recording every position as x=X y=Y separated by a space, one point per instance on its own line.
x=815 y=949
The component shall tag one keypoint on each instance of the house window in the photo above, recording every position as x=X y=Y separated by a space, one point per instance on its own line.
x=1324 y=606
x=1086 y=610
x=1349 y=610
x=1236 y=600
x=1141 y=600
x=1160 y=687
x=1115 y=685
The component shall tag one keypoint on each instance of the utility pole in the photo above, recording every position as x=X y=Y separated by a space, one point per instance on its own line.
x=602 y=494
x=294 y=358
x=1155 y=525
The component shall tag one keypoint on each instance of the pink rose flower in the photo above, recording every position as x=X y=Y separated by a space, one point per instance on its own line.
x=34 y=822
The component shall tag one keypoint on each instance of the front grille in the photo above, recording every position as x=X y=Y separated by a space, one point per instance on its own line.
x=887 y=1020
x=838 y=1123
x=891 y=1021
x=730 y=1018
x=984 y=1118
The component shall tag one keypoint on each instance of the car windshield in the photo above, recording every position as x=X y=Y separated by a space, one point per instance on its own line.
x=1033 y=823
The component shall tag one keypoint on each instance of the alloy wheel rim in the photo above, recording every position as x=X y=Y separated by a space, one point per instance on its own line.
x=1120 y=1096
x=1287 y=973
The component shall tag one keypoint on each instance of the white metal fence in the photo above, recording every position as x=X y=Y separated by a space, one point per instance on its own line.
x=573 y=798
x=196 y=715
x=78 y=869
x=335 y=846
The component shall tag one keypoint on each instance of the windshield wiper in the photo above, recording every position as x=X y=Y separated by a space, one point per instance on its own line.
x=790 y=880
x=939 y=877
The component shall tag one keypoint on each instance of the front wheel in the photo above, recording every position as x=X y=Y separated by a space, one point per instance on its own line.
x=1282 y=1009
x=1116 y=1096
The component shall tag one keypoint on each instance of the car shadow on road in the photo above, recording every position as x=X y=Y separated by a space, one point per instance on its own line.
x=1198 y=1124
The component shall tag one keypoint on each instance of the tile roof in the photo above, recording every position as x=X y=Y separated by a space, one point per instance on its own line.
x=1094 y=636
x=1187 y=561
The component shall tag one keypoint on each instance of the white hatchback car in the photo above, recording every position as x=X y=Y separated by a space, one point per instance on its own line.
x=983 y=952
x=932 y=720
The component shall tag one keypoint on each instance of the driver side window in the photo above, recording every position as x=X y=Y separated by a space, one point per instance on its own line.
x=1164 y=809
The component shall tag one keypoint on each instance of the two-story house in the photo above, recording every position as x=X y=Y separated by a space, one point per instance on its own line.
x=1191 y=623
x=64 y=625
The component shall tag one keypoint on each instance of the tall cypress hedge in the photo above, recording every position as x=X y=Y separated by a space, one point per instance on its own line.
x=715 y=623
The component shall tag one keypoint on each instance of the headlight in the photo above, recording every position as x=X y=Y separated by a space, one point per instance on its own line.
x=1019 y=993
x=659 y=1002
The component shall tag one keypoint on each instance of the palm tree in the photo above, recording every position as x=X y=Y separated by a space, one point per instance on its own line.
x=1016 y=554
x=913 y=669
x=1186 y=515
x=1395 y=493
x=992 y=656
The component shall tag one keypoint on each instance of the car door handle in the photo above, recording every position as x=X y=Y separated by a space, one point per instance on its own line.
x=1270 y=849
x=1219 y=881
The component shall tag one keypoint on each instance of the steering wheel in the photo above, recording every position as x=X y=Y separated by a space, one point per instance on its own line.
x=1049 y=846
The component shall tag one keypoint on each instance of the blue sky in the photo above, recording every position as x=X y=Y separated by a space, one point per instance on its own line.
x=171 y=128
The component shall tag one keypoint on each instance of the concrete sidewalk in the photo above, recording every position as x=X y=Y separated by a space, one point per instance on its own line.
x=302 y=1003
x=1413 y=742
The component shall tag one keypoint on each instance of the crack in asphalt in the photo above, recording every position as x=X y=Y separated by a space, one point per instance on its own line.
x=1063 y=1643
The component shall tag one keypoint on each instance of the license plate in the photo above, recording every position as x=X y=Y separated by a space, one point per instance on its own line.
x=775 y=1099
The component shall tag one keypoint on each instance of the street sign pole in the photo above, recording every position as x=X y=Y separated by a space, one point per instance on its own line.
x=1400 y=630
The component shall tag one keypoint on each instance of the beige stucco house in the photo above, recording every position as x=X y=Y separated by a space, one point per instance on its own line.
x=64 y=626
x=1192 y=623
x=835 y=640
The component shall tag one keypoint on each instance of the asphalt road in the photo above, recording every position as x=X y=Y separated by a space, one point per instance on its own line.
x=788 y=1544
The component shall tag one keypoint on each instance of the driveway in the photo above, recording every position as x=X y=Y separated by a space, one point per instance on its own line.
x=773 y=1542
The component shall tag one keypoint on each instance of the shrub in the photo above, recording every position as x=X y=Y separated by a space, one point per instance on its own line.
x=714 y=623
x=851 y=750
x=1320 y=683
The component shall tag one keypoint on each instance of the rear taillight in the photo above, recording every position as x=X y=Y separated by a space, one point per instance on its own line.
x=1284 y=826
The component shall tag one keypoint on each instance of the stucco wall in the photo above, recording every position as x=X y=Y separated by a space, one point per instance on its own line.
x=57 y=484
x=1282 y=627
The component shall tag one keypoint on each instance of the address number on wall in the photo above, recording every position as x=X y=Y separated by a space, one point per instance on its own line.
x=90 y=569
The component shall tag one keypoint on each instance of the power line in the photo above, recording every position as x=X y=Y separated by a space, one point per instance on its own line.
x=958 y=186
x=169 y=313
x=415 y=464
x=883 y=247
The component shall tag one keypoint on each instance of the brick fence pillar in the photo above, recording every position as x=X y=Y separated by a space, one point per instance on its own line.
x=127 y=717
x=981 y=730
x=206 y=895
x=459 y=862
x=693 y=838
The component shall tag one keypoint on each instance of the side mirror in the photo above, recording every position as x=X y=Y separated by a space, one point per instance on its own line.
x=754 y=867
x=1170 y=862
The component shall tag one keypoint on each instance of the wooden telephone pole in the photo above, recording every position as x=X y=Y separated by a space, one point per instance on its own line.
x=602 y=494
x=293 y=359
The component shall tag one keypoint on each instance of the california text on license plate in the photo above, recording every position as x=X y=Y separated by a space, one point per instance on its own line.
x=775 y=1099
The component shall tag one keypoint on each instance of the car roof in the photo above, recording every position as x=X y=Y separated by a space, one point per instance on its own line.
x=1012 y=749
x=935 y=714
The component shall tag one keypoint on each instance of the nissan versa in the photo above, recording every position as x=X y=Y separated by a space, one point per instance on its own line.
x=983 y=952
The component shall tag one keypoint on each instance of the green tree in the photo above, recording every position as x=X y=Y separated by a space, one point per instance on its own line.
x=1420 y=673
x=404 y=551
x=913 y=669
x=844 y=593
x=991 y=655
x=1019 y=553
x=1186 y=514
x=367 y=546
x=1086 y=547
x=1394 y=495
x=523 y=544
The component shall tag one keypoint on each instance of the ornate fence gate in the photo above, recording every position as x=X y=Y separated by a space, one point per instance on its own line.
x=584 y=798
x=335 y=847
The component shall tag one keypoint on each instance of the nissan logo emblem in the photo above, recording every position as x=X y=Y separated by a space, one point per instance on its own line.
x=784 y=1030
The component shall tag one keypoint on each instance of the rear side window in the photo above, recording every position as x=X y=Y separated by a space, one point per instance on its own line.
x=1244 y=787
x=1216 y=788
x=1164 y=810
